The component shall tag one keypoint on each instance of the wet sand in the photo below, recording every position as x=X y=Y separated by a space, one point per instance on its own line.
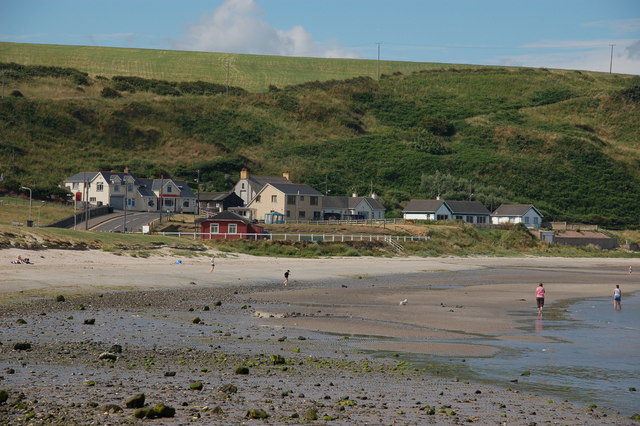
x=326 y=324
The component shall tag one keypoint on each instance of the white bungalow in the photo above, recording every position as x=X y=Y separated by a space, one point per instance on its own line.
x=526 y=214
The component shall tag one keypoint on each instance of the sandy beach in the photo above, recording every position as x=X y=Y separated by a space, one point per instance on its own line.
x=330 y=320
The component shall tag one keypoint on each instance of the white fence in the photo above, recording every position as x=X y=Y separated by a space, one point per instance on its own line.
x=294 y=237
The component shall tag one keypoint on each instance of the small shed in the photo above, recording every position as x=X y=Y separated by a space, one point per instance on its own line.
x=229 y=226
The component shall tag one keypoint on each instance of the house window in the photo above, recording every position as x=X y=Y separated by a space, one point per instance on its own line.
x=131 y=202
x=92 y=199
x=116 y=187
x=316 y=215
x=288 y=213
x=301 y=214
x=215 y=228
x=100 y=186
x=469 y=219
x=258 y=199
x=169 y=188
x=458 y=217
x=168 y=202
x=302 y=198
x=75 y=185
x=482 y=219
x=442 y=217
x=526 y=219
x=313 y=201
x=129 y=187
x=242 y=186
x=233 y=228
x=274 y=198
x=535 y=220
x=291 y=199
x=185 y=203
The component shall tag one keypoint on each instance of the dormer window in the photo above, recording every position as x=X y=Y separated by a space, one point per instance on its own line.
x=169 y=188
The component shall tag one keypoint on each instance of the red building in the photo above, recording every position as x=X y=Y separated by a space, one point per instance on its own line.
x=228 y=225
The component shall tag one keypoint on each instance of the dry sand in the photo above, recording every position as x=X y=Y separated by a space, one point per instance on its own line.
x=346 y=296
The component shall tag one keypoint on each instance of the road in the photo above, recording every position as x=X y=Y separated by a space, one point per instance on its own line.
x=134 y=222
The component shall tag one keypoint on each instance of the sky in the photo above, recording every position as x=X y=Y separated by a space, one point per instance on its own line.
x=567 y=34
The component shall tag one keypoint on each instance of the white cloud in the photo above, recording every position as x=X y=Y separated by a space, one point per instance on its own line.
x=238 y=26
x=587 y=55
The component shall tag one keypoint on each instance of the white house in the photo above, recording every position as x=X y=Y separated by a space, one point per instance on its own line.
x=526 y=214
x=469 y=211
x=249 y=186
x=426 y=210
x=353 y=207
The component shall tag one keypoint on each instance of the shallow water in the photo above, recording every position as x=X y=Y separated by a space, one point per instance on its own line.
x=593 y=355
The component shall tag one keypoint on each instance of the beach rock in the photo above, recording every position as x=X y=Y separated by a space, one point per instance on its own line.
x=4 y=396
x=90 y=321
x=256 y=413
x=108 y=356
x=20 y=321
x=135 y=401
x=10 y=371
x=22 y=346
x=217 y=303
x=111 y=408
x=115 y=349
x=277 y=359
x=302 y=338
x=632 y=389
x=89 y=383
x=60 y=298
x=169 y=373
x=216 y=410
x=196 y=320
x=141 y=413
x=160 y=411
x=241 y=370
x=282 y=339
x=311 y=414
x=228 y=389
x=196 y=386
x=206 y=308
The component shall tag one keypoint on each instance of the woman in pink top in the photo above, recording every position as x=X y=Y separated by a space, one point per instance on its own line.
x=540 y=297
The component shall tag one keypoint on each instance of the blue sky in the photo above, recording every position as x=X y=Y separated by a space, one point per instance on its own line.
x=571 y=34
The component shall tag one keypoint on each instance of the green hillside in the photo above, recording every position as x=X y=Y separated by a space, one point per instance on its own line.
x=563 y=140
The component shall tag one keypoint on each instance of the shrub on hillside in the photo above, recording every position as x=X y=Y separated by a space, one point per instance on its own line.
x=16 y=94
x=551 y=96
x=108 y=92
x=632 y=94
x=438 y=126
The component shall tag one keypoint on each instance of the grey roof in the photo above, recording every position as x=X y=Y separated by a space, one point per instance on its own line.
x=185 y=190
x=214 y=196
x=156 y=184
x=513 y=210
x=226 y=216
x=295 y=189
x=258 y=182
x=81 y=177
x=337 y=202
x=467 y=207
x=423 y=206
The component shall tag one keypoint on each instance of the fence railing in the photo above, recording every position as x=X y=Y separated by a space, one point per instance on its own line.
x=394 y=221
x=294 y=237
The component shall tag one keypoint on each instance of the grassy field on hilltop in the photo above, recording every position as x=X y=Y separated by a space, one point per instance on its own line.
x=252 y=72
x=565 y=141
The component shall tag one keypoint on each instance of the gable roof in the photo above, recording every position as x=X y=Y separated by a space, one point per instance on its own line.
x=423 y=206
x=216 y=196
x=225 y=216
x=295 y=189
x=514 y=210
x=81 y=177
x=258 y=182
x=467 y=207
x=337 y=202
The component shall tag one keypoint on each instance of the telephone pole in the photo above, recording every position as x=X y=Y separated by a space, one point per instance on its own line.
x=611 y=60
x=378 y=43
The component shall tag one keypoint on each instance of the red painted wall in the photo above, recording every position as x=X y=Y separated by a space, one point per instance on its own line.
x=223 y=230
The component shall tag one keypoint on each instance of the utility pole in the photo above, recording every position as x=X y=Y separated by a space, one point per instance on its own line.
x=198 y=205
x=86 y=203
x=610 y=61
x=379 y=43
x=160 y=197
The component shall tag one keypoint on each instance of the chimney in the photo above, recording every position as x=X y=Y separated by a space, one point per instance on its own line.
x=244 y=173
x=354 y=194
x=287 y=175
x=126 y=170
x=374 y=195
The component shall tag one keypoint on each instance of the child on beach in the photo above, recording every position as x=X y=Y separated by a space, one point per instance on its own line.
x=213 y=263
x=617 y=298
x=540 y=297
x=286 y=277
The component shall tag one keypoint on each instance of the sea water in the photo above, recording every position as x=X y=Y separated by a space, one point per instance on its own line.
x=590 y=354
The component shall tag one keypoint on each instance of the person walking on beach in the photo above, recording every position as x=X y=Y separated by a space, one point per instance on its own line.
x=617 y=298
x=286 y=277
x=630 y=269
x=540 y=297
x=213 y=263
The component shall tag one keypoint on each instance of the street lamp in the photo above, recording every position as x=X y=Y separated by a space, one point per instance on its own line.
x=28 y=189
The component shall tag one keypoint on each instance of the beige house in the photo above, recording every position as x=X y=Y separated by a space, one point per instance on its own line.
x=250 y=185
x=294 y=201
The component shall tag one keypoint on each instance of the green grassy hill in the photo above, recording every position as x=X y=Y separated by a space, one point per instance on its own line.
x=563 y=140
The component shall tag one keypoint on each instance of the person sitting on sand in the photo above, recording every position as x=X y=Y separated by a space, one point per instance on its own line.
x=18 y=261
x=617 y=298
x=540 y=297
